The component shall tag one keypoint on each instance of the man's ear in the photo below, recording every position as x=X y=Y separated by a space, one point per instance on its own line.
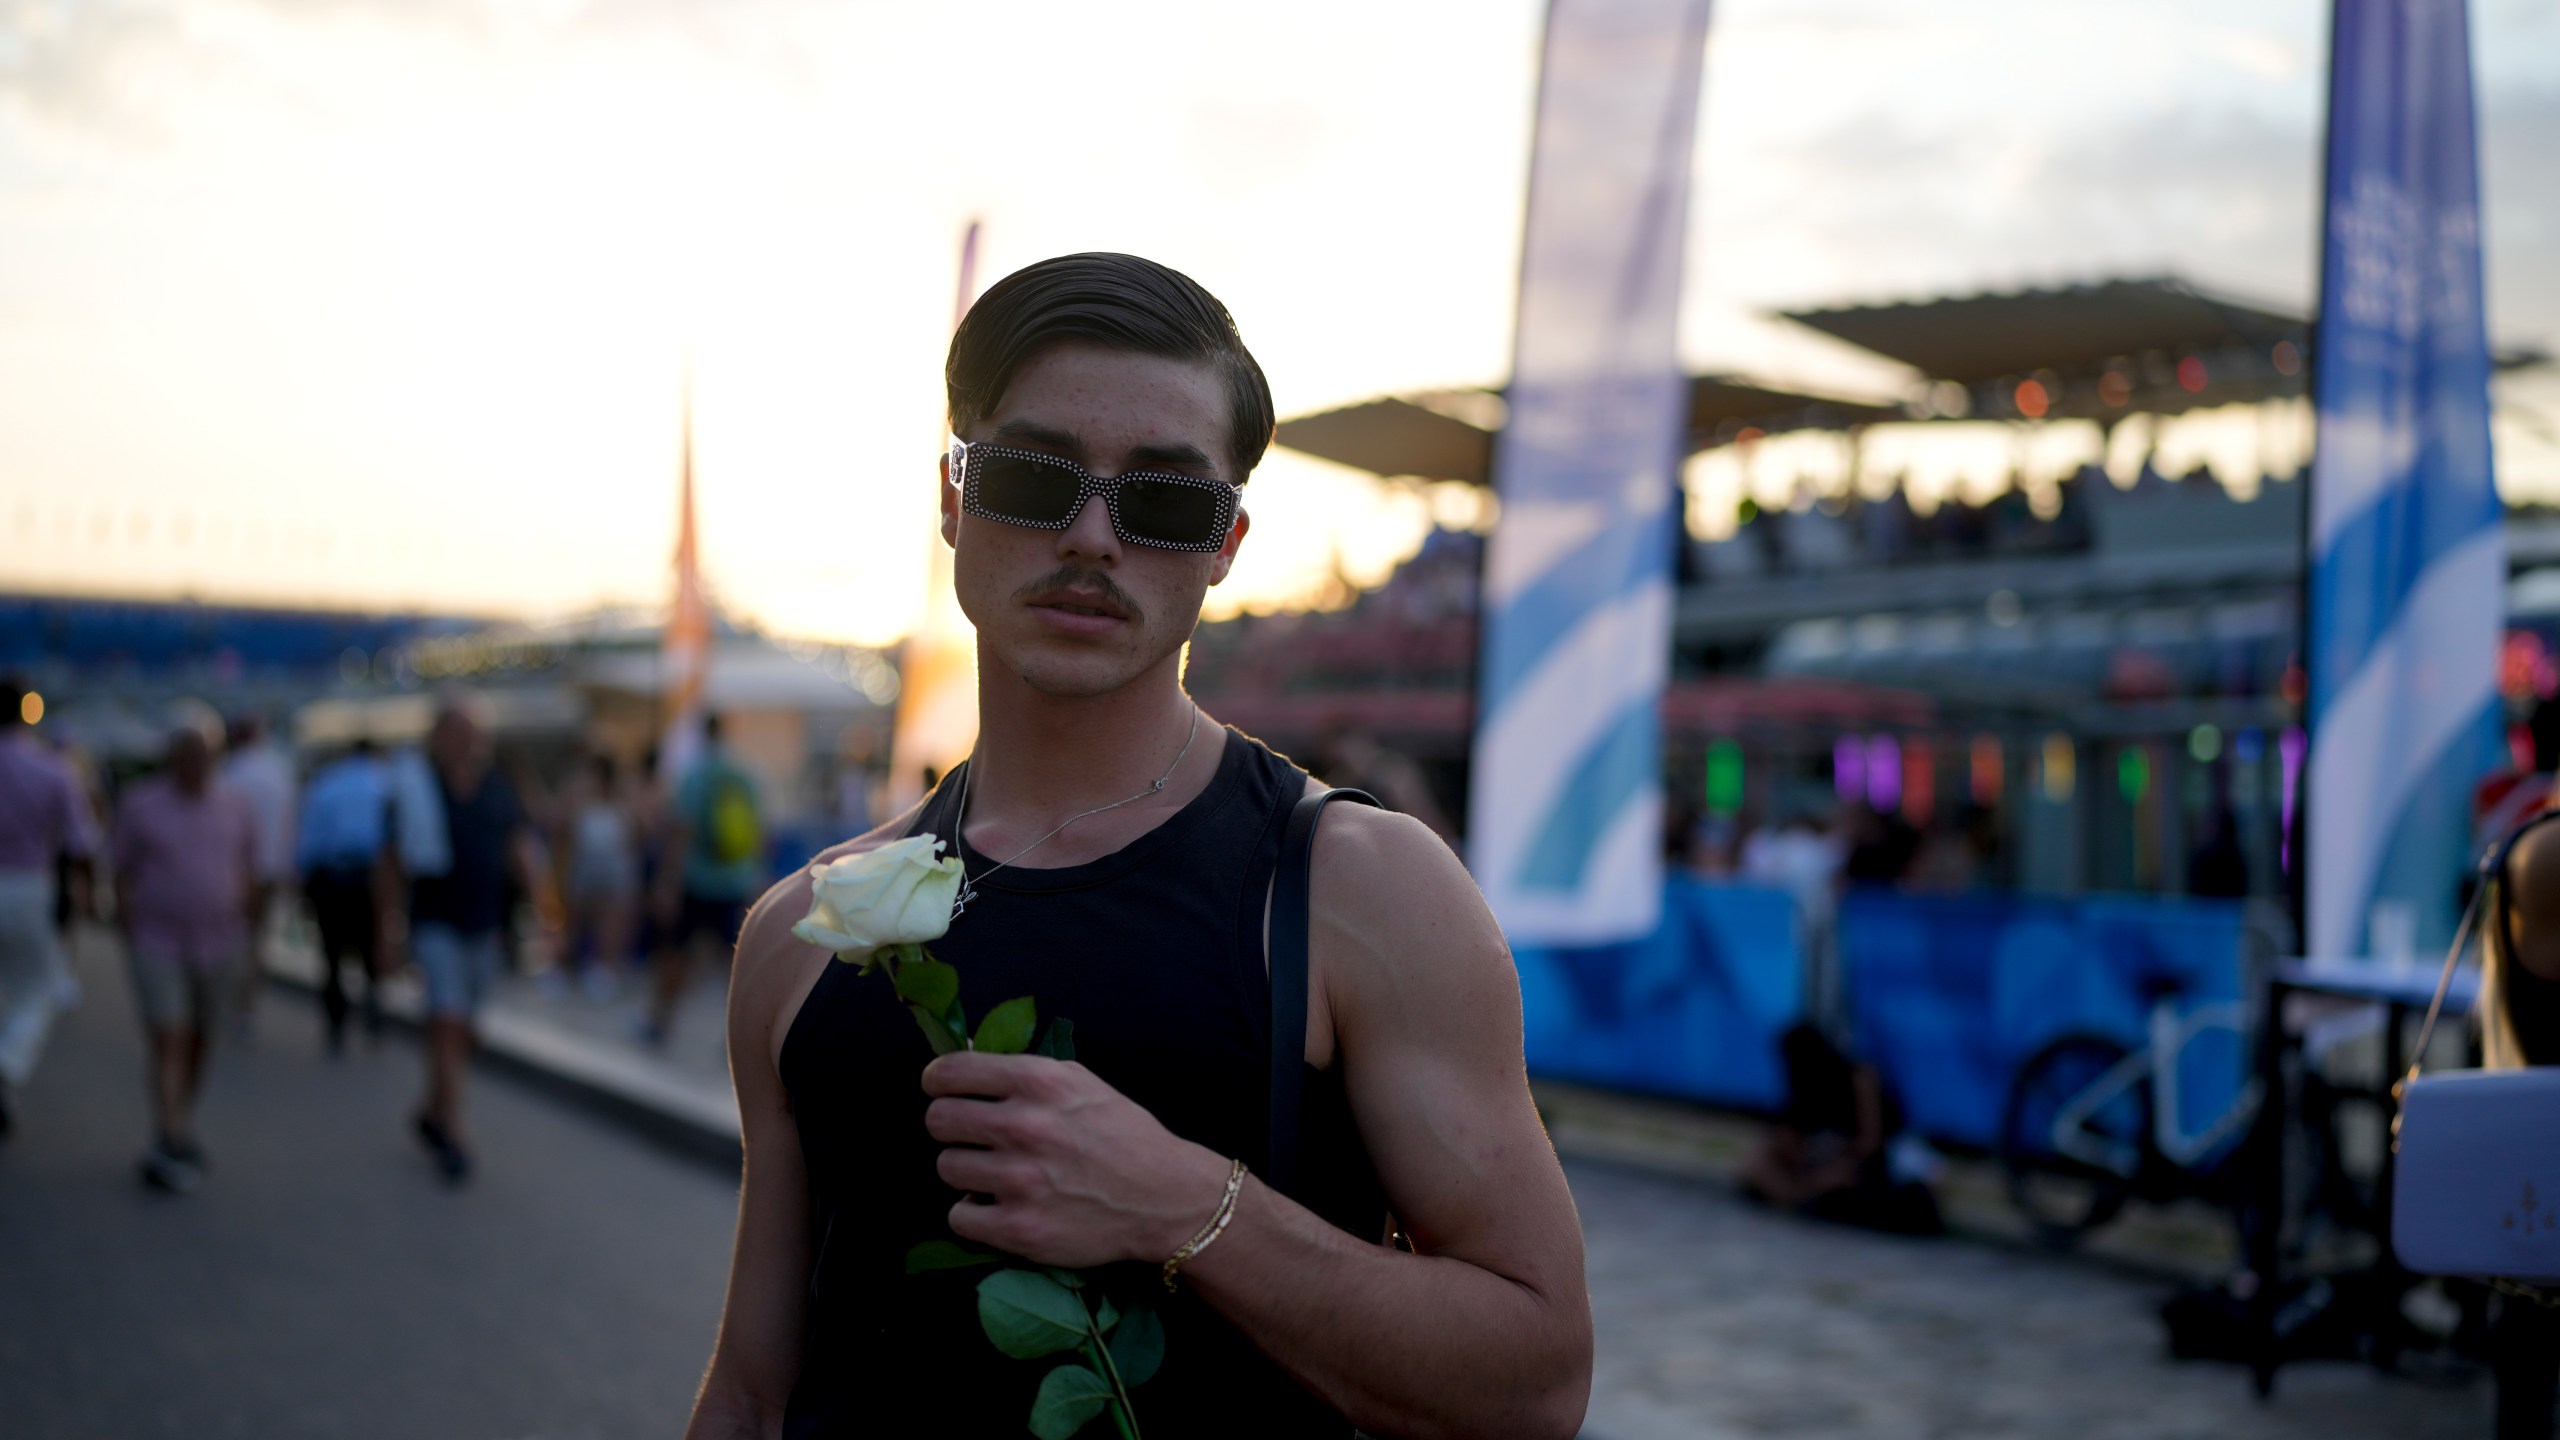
x=1226 y=556
x=950 y=500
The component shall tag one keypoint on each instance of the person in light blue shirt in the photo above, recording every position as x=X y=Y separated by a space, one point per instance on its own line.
x=346 y=820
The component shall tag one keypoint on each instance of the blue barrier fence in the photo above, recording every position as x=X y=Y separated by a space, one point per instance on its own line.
x=1946 y=995
x=1693 y=1010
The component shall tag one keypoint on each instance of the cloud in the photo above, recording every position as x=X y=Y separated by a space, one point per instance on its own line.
x=76 y=64
x=120 y=70
x=2520 y=189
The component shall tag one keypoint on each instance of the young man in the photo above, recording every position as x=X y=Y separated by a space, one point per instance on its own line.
x=186 y=853
x=1121 y=848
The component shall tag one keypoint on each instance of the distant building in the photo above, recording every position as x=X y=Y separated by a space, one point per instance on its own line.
x=798 y=715
x=109 y=668
x=2050 y=598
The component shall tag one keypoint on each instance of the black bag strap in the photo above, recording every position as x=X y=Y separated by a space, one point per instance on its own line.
x=1291 y=890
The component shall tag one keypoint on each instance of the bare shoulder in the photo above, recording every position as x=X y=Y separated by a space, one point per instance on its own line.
x=1369 y=859
x=1398 y=915
x=775 y=968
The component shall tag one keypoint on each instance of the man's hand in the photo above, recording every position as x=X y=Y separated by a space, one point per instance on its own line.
x=1073 y=1172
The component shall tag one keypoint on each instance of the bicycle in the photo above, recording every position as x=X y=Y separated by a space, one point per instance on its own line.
x=2092 y=1122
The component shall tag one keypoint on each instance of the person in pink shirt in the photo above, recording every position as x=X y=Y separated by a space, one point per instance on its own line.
x=43 y=817
x=186 y=899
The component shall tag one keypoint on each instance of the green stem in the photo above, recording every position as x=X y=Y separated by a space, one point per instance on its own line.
x=1122 y=1413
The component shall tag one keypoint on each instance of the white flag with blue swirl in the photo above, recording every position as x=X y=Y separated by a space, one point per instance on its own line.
x=1565 y=804
x=2408 y=578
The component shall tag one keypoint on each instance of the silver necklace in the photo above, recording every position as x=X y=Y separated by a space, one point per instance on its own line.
x=969 y=883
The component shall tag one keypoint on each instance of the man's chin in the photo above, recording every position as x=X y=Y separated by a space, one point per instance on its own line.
x=1072 y=676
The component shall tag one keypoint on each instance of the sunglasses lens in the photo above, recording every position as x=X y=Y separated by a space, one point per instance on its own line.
x=1170 y=513
x=1034 y=492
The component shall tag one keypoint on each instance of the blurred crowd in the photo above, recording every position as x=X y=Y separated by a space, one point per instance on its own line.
x=441 y=867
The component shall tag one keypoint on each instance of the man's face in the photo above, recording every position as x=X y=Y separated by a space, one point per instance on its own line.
x=1080 y=611
x=458 y=746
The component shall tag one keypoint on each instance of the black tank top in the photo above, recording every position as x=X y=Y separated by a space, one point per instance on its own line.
x=1155 y=952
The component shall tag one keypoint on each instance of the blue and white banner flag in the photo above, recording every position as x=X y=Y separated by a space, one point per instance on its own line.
x=2408 y=579
x=1565 y=810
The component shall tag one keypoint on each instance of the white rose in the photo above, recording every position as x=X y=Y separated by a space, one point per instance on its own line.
x=898 y=894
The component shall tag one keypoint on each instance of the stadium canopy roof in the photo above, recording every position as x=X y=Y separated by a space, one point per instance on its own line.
x=1448 y=435
x=2078 y=330
x=1394 y=437
x=2100 y=351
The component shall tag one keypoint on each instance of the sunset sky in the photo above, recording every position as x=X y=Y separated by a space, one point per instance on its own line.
x=389 y=302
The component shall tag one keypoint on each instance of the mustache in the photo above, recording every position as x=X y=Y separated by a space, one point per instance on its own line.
x=1078 y=577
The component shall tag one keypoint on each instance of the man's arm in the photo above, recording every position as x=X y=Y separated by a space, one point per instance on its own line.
x=757 y=1356
x=533 y=871
x=1485 y=1329
x=123 y=855
x=253 y=899
x=756 y=1360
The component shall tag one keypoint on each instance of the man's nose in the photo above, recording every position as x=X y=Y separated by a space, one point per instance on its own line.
x=1089 y=535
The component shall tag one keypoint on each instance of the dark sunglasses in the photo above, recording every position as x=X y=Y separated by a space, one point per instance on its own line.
x=1148 y=507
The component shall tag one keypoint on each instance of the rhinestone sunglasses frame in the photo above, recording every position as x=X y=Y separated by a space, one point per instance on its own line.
x=964 y=476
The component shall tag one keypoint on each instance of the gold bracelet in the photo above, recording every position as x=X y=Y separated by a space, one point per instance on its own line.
x=1217 y=1225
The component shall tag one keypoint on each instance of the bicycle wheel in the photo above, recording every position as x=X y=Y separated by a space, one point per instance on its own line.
x=2059 y=1181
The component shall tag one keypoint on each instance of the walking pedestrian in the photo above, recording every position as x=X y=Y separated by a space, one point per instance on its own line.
x=603 y=883
x=44 y=823
x=714 y=865
x=1120 y=854
x=263 y=775
x=458 y=917
x=186 y=895
x=343 y=830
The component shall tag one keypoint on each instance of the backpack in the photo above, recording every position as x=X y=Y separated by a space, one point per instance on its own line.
x=737 y=831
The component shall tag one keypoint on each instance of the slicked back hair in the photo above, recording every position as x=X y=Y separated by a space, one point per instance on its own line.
x=1115 y=302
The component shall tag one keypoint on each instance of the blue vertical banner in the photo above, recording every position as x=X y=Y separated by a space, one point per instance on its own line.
x=2408 y=556
x=1565 y=804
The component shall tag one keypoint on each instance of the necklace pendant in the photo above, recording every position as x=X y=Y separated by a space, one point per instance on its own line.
x=960 y=901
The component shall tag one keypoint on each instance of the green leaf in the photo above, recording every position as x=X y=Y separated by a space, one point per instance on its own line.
x=1068 y=1278
x=1007 y=1028
x=946 y=1255
x=1060 y=1041
x=1107 y=1317
x=928 y=985
x=1137 y=1347
x=1029 y=1315
x=936 y=1034
x=1070 y=1396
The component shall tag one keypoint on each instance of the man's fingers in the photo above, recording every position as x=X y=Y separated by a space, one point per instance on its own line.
x=956 y=1121
x=982 y=1172
x=1009 y=1228
x=969 y=1072
x=986 y=1224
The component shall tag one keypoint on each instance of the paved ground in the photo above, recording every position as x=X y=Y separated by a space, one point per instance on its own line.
x=1717 y=1321
x=325 y=1284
